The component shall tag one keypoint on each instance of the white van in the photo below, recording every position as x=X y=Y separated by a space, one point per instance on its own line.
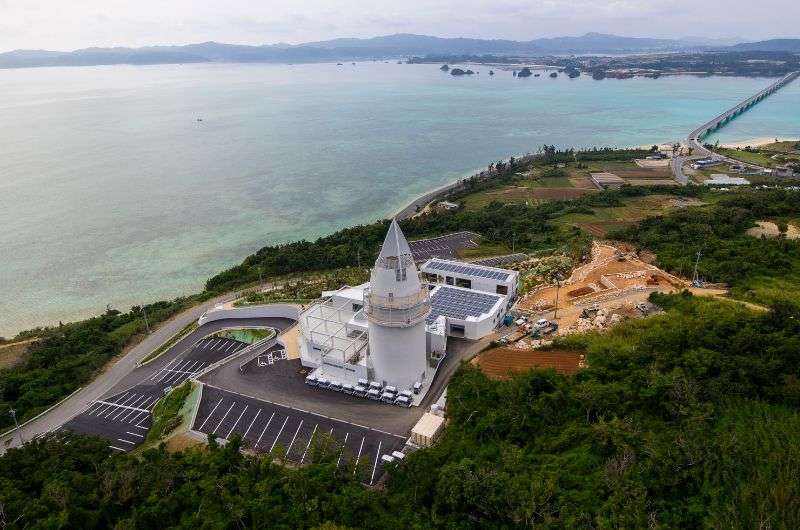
x=387 y=459
x=398 y=455
x=374 y=385
x=407 y=393
x=363 y=382
x=403 y=401
x=387 y=397
x=391 y=389
x=417 y=387
x=360 y=391
x=336 y=386
x=347 y=389
x=323 y=383
x=311 y=380
x=373 y=394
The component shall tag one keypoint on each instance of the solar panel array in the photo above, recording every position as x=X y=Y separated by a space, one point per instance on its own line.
x=460 y=303
x=466 y=269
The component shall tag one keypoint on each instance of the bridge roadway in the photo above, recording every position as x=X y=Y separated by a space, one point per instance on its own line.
x=694 y=140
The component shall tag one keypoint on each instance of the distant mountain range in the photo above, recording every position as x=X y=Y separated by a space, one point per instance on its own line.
x=400 y=45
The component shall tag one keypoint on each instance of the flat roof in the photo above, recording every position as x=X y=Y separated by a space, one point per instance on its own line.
x=468 y=269
x=460 y=303
x=428 y=425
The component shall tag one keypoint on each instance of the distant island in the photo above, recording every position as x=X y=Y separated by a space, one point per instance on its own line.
x=420 y=47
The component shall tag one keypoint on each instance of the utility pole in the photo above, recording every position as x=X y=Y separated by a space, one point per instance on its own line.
x=358 y=257
x=513 y=242
x=558 y=286
x=13 y=414
x=260 y=278
x=695 y=276
x=146 y=323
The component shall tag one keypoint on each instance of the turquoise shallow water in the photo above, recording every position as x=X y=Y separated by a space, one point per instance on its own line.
x=111 y=191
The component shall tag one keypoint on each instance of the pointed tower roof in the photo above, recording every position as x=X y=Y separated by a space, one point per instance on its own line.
x=395 y=244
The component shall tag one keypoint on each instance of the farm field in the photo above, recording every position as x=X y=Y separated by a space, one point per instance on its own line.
x=502 y=363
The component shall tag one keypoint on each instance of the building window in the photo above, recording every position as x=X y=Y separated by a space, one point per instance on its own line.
x=461 y=282
x=357 y=308
x=448 y=280
x=502 y=289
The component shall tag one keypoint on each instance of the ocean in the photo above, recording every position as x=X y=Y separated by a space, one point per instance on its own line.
x=112 y=191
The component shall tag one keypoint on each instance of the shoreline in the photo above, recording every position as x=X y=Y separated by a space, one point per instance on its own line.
x=757 y=142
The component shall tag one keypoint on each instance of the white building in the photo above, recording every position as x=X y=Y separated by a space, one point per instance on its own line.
x=721 y=179
x=394 y=329
x=471 y=276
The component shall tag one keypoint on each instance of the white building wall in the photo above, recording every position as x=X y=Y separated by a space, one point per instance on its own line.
x=401 y=361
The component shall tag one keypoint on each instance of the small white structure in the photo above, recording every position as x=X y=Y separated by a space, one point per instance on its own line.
x=721 y=179
x=606 y=180
x=471 y=276
x=427 y=430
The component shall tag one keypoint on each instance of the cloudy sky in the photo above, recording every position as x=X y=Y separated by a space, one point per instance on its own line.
x=70 y=24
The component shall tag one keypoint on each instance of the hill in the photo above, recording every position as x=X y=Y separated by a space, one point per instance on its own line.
x=772 y=45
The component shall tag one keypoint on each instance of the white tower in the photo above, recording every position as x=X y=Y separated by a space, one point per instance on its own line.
x=396 y=306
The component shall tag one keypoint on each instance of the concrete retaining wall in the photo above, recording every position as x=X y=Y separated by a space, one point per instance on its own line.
x=253 y=311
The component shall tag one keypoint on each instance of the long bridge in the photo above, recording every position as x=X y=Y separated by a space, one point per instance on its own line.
x=695 y=138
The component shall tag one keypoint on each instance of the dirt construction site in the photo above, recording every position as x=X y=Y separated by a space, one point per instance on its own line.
x=602 y=292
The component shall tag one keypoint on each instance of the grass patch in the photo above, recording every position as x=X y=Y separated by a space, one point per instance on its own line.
x=167 y=413
x=246 y=335
x=171 y=342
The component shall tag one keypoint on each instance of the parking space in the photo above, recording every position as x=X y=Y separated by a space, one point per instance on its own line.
x=123 y=419
x=265 y=360
x=295 y=435
x=445 y=247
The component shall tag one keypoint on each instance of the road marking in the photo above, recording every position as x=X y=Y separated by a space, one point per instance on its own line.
x=279 y=434
x=211 y=414
x=293 y=438
x=309 y=443
x=338 y=460
x=120 y=404
x=134 y=434
x=133 y=416
x=214 y=431
x=237 y=422
x=375 y=466
x=265 y=430
x=134 y=403
x=127 y=407
x=163 y=368
x=118 y=449
x=126 y=441
x=168 y=371
x=106 y=407
x=228 y=347
x=359 y=455
x=251 y=424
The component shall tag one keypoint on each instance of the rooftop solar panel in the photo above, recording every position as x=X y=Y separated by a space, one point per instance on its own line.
x=460 y=303
x=467 y=269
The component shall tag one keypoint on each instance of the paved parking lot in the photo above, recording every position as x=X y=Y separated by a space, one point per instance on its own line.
x=444 y=247
x=267 y=427
x=124 y=418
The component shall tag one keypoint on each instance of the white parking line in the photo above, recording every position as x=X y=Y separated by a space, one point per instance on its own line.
x=214 y=431
x=228 y=347
x=212 y=413
x=279 y=434
x=309 y=443
x=251 y=424
x=120 y=404
x=375 y=465
x=106 y=405
x=263 y=431
x=136 y=415
x=126 y=441
x=118 y=449
x=359 y=456
x=133 y=403
x=163 y=368
x=136 y=404
x=134 y=434
x=168 y=371
x=237 y=422
x=338 y=460
x=293 y=438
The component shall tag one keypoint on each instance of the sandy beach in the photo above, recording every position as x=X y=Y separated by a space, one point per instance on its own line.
x=757 y=142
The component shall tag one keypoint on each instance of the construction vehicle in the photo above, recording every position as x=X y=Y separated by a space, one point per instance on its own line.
x=544 y=327
x=591 y=311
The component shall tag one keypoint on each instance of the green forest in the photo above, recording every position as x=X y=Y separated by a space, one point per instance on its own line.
x=687 y=419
